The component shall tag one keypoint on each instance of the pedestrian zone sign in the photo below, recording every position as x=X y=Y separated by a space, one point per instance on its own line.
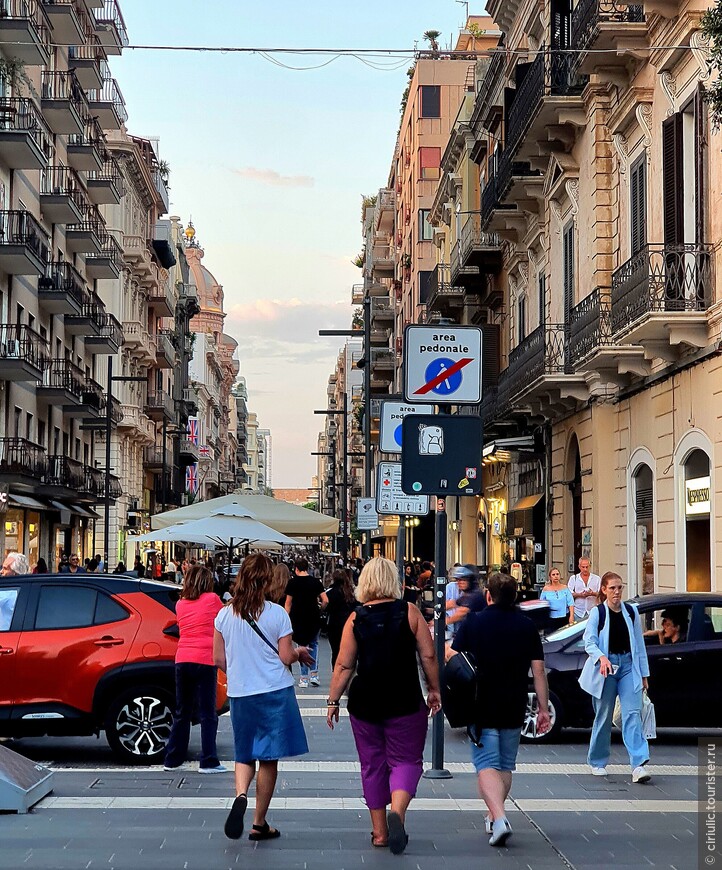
x=391 y=499
x=366 y=516
x=442 y=364
x=392 y=415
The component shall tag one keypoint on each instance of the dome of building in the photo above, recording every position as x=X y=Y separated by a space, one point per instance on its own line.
x=210 y=292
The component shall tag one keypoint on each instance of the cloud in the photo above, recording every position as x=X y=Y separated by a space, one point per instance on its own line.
x=273 y=178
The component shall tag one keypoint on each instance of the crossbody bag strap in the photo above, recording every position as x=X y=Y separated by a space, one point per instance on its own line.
x=252 y=622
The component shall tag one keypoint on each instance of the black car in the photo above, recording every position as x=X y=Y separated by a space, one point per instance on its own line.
x=682 y=674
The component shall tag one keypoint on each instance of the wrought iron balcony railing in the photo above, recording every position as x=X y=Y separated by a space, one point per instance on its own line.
x=21 y=228
x=589 y=14
x=590 y=325
x=473 y=238
x=110 y=15
x=20 y=114
x=65 y=472
x=62 y=181
x=65 y=375
x=542 y=353
x=20 y=342
x=661 y=278
x=487 y=88
x=18 y=456
x=64 y=86
x=62 y=277
x=110 y=93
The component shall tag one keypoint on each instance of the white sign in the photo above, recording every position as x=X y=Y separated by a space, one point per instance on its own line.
x=697 y=500
x=366 y=516
x=442 y=364
x=391 y=499
x=392 y=415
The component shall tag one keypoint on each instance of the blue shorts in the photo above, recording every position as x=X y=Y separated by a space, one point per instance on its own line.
x=498 y=751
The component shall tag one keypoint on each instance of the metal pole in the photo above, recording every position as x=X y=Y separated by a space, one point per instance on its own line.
x=345 y=539
x=109 y=402
x=165 y=464
x=437 y=736
x=400 y=542
x=334 y=540
x=367 y=413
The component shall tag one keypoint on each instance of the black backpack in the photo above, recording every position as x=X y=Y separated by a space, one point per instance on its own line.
x=603 y=614
x=460 y=690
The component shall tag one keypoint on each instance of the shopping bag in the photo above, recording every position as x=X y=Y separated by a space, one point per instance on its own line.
x=649 y=718
x=617 y=714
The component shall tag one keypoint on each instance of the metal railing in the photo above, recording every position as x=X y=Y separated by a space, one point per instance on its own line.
x=92 y=222
x=20 y=342
x=20 y=456
x=19 y=114
x=93 y=395
x=61 y=374
x=488 y=86
x=659 y=278
x=473 y=238
x=110 y=93
x=65 y=472
x=64 y=86
x=154 y=455
x=488 y=199
x=110 y=250
x=94 y=482
x=542 y=353
x=61 y=277
x=62 y=181
x=164 y=344
x=161 y=401
x=508 y=169
x=91 y=136
x=21 y=228
x=440 y=284
x=110 y=15
x=588 y=14
x=590 y=325
x=110 y=174
x=27 y=10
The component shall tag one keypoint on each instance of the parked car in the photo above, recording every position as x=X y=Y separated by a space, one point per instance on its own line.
x=681 y=674
x=84 y=653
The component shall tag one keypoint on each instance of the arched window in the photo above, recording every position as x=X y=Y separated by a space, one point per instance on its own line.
x=697 y=521
x=641 y=574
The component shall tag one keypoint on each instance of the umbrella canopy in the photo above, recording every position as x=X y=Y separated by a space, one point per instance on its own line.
x=219 y=530
x=279 y=515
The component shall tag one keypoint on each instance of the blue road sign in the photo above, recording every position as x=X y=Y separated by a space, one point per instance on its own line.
x=397 y=434
x=436 y=368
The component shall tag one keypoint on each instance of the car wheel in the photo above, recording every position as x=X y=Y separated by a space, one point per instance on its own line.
x=138 y=724
x=529 y=732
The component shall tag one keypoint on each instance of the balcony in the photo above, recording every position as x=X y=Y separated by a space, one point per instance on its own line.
x=548 y=97
x=161 y=296
x=382 y=313
x=25 y=140
x=106 y=335
x=24 y=353
x=105 y=186
x=659 y=299
x=478 y=253
x=383 y=363
x=107 y=104
x=614 y=30
x=165 y=351
x=108 y=263
x=382 y=260
x=137 y=252
x=63 y=102
x=61 y=197
x=161 y=185
x=93 y=398
x=487 y=112
x=188 y=451
x=163 y=245
x=63 y=383
x=88 y=234
x=85 y=60
x=23 y=465
x=62 y=290
x=380 y=337
x=94 y=483
x=158 y=405
x=23 y=244
x=164 y=492
x=154 y=458
x=189 y=403
x=110 y=27
x=133 y=419
x=65 y=473
x=86 y=149
x=444 y=297
x=68 y=21
x=386 y=211
x=24 y=27
x=357 y=294
x=139 y=341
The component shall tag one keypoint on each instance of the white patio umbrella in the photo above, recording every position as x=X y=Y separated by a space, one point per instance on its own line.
x=219 y=530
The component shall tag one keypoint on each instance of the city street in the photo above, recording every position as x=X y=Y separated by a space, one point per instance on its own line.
x=103 y=815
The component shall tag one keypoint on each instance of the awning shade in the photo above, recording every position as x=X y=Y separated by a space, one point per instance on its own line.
x=27 y=502
x=86 y=512
x=528 y=502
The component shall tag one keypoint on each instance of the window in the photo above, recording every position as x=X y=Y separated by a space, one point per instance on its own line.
x=666 y=625
x=429 y=162
x=712 y=623
x=521 y=314
x=430 y=105
x=643 y=484
x=75 y=607
x=568 y=254
x=108 y=610
x=426 y=231
x=8 y=600
x=697 y=514
x=638 y=205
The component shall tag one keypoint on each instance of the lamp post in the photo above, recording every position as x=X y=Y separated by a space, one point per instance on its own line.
x=343 y=413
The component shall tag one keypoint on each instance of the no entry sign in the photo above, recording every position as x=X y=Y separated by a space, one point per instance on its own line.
x=442 y=364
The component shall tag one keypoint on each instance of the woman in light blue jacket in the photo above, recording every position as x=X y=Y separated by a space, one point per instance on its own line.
x=617 y=666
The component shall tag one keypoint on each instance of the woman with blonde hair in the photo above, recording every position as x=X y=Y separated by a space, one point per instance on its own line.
x=195 y=673
x=386 y=705
x=252 y=644
x=276 y=591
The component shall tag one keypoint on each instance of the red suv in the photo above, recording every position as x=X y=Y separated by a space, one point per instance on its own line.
x=81 y=653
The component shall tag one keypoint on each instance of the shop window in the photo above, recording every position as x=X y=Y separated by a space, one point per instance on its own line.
x=644 y=528
x=697 y=514
x=14 y=531
x=33 y=548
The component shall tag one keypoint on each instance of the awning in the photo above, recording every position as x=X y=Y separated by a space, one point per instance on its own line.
x=86 y=512
x=527 y=503
x=27 y=502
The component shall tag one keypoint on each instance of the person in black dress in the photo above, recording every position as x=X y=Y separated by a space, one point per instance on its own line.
x=341 y=604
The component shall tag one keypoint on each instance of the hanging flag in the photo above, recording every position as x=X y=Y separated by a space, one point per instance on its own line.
x=192 y=479
x=204 y=451
x=193 y=430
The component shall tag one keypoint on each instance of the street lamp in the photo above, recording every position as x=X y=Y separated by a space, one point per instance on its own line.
x=343 y=412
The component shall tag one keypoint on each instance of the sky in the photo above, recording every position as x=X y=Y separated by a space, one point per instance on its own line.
x=271 y=164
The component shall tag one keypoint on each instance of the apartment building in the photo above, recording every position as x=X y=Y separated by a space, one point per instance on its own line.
x=58 y=102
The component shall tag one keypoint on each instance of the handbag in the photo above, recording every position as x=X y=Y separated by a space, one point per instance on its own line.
x=648 y=715
x=460 y=690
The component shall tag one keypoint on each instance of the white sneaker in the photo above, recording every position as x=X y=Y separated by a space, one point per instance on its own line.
x=640 y=774
x=184 y=766
x=315 y=682
x=599 y=771
x=303 y=683
x=220 y=769
x=500 y=831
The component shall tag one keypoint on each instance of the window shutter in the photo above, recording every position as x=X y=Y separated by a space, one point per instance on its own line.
x=638 y=205
x=672 y=180
x=700 y=162
x=568 y=271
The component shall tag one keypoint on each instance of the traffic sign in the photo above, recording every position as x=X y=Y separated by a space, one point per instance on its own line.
x=392 y=413
x=442 y=364
x=391 y=499
x=442 y=454
x=366 y=516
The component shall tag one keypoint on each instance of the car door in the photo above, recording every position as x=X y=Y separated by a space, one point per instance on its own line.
x=671 y=667
x=706 y=634
x=77 y=633
x=12 y=608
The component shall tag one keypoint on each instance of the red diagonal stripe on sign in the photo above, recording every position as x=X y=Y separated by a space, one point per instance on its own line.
x=442 y=376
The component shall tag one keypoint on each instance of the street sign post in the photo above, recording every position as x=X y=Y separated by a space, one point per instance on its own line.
x=442 y=454
x=390 y=497
x=366 y=516
x=392 y=415
x=442 y=364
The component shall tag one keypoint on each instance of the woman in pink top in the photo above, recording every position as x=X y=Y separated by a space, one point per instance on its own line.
x=195 y=673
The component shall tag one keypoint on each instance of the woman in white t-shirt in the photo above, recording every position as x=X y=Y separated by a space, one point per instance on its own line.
x=252 y=644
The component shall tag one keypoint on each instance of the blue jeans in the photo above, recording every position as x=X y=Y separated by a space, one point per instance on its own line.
x=622 y=684
x=312 y=647
x=194 y=683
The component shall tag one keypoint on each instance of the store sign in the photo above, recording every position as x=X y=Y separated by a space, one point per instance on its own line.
x=697 y=501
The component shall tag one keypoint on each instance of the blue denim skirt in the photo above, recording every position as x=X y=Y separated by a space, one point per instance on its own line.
x=267 y=727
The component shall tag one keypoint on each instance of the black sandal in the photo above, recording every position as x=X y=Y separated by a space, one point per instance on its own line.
x=398 y=838
x=264 y=832
x=233 y=828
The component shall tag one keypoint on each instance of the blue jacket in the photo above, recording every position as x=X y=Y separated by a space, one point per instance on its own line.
x=597 y=645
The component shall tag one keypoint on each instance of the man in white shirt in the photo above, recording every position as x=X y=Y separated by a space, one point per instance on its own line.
x=584 y=587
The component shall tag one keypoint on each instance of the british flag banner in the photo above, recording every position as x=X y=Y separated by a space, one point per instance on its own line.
x=192 y=478
x=193 y=430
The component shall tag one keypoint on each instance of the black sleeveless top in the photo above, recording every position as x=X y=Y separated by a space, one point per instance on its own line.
x=386 y=684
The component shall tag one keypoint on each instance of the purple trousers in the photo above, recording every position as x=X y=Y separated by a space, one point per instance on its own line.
x=391 y=755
